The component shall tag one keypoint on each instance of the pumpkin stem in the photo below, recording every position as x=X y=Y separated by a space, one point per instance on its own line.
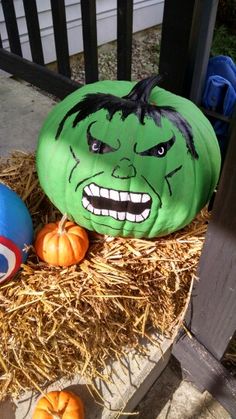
x=62 y=223
x=142 y=90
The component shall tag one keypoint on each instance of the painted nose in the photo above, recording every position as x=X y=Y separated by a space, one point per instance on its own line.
x=124 y=169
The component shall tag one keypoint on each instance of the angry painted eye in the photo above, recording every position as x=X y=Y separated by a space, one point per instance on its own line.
x=95 y=147
x=98 y=146
x=161 y=151
x=158 y=150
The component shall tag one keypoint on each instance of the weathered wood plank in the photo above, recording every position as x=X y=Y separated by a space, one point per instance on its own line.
x=213 y=316
x=185 y=47
x=206 y=372
x=11 y=26
x=199 y=48
x=39 y=76
x=124 y=38
x=174 y=52
x=89 y=25
x=60 y=36
x=32 y=22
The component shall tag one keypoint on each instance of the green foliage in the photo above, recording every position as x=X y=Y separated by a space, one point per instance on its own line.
x=224 y=43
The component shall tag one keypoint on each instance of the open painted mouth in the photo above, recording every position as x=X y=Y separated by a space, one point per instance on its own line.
x=120 y=205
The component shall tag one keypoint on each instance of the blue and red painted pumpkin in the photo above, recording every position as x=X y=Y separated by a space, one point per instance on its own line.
x=16 y=232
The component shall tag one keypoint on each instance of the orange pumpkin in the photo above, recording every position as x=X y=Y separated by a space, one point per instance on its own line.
x=59 y=405
x=63 y=243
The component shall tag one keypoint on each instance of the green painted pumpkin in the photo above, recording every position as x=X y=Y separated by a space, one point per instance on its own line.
x=128 y=159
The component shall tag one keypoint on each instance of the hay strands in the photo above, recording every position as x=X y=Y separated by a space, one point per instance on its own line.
x=58 y=322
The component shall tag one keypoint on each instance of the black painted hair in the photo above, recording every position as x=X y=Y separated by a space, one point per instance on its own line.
x=136 y=102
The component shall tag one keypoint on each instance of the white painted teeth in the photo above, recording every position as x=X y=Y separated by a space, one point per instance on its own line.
x=121 y=216
x=145 y=213
x=124 y=196
x=97 y=211
x=90 y=208
x=85 y=202
x=145 y=197
x=136 y=197
x=140 y=217
x=87 y=190
x=105 y=212
x=130 y=217
x=104 y=192
x=114 y=195
x=95 y=191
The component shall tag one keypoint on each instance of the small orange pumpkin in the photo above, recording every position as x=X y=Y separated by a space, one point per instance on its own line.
x=63 y=243
x=59 y=405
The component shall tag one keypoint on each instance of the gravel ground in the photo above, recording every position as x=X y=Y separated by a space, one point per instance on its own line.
x=145 y=56
x=145 y=59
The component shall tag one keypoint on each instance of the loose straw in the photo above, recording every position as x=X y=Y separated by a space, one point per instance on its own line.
x=58 y=322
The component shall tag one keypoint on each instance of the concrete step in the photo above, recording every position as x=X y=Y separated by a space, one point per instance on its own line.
x=22 y=112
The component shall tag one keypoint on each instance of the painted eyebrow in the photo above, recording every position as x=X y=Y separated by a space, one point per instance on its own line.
x=90 y=137
x=166 y=144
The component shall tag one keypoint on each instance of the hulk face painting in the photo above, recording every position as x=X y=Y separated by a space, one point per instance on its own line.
x=128 y=159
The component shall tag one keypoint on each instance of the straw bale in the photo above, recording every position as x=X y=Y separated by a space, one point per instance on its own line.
x=56 y=322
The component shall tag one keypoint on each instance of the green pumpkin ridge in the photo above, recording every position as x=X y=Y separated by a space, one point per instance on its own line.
x=128 y=159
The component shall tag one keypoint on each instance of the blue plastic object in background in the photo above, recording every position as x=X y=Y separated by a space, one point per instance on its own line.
x=220 y=94
x=223 y=66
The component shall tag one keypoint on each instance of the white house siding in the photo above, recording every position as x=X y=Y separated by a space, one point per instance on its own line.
x=147 y=13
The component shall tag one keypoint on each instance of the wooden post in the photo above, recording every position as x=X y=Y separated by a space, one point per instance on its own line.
x=89 y=26
x=185 y=45
x=201 y=368
x=176 y=30
x=124 y=38
x=213 y=314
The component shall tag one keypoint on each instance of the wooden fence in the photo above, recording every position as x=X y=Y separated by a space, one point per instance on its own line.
x=59 y=83
x=185 y=47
